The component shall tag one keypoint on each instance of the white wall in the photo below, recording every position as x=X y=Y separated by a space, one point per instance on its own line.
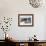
x=11 y=8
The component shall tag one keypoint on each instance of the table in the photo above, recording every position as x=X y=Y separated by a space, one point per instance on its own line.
x=27 y=42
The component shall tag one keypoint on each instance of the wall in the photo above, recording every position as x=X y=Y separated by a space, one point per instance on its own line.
x=11 y=8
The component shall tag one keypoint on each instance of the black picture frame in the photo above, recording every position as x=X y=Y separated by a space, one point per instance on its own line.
x=25 y=20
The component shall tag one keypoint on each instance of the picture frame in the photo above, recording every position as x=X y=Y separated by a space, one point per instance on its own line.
x=25 y=20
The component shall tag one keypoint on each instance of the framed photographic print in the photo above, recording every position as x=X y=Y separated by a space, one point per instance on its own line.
x=25 y=20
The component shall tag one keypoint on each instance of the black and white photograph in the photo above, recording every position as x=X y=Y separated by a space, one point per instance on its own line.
x=25 y=19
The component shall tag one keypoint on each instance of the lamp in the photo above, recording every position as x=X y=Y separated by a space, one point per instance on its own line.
x=36 y=3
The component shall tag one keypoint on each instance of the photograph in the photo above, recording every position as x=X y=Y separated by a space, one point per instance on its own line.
x=25 y=20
